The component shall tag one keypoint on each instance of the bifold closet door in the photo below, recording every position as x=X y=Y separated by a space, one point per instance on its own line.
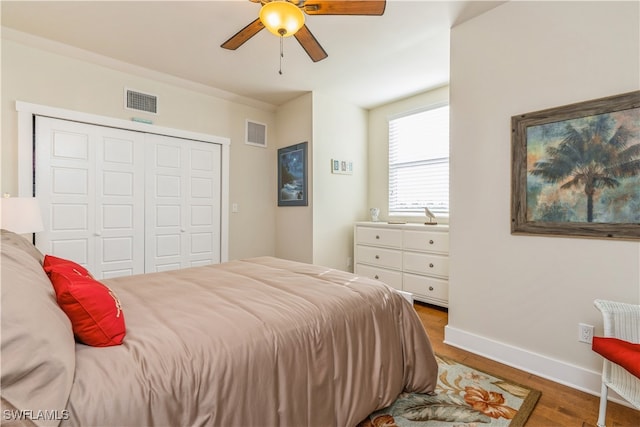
x=182 y=203
x=90 y=182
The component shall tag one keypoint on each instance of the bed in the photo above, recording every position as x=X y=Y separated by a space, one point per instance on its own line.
x=254 y=342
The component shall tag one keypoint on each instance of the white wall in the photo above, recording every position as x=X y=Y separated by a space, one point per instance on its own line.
x=378 y=194
x=252 y=186
x=339 y=132
x=519 y=298
x=35 y=75
x=294 y=224
x=46 y=73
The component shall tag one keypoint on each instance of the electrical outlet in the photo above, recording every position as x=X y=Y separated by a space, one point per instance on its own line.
x=585 y=333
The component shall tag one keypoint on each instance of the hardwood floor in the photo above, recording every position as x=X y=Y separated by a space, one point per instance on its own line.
x=559 y=406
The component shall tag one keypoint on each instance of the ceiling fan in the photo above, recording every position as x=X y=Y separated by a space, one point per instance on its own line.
x=293 y=9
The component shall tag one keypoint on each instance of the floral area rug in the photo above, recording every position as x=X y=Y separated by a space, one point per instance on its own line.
x=464 y=397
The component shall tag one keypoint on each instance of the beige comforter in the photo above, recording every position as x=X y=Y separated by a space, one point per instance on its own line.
x=258 y=342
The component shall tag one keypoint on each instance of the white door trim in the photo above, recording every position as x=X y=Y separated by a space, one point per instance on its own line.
x=26 y=112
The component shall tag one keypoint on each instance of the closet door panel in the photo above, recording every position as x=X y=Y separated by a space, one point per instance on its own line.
x=164 y=194
x=90 y=179
x=182 y=203
x=122 y=202
x=65 y=185
x=204 y=204
x=120 y=198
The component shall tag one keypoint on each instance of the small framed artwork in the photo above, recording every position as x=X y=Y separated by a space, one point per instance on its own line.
x=292 y=175
x=576 y=169
x=344 y=167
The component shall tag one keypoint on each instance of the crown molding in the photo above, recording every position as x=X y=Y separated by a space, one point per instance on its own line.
x=125 y=67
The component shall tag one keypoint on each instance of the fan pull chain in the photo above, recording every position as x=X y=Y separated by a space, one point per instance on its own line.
x=281 y=53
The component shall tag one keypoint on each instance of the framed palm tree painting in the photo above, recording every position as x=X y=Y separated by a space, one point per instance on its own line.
x=576 y=169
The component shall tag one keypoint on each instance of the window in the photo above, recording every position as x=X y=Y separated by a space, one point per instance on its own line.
x=419 y=162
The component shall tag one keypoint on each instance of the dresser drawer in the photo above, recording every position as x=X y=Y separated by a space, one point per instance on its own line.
x=390 y=277
x=379 y=237
x=379 y=256
x=426 y=287
x=431 y=241
x=426 y=263
x=411 y=258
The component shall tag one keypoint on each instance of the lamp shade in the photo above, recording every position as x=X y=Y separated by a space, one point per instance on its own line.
x=20 y=215
x=281 y=17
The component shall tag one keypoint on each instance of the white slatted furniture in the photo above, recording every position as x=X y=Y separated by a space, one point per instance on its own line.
x=622 y=321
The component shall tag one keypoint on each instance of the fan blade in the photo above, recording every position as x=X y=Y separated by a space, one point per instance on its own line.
x=344 y=7
x=310 y=44
x=243 y=35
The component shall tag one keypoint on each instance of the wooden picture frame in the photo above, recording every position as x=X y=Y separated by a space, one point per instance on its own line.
x=576 y=169
x=292 y=175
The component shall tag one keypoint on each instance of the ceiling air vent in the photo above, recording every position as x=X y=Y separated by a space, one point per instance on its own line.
x=256 y=134
x=139 y=101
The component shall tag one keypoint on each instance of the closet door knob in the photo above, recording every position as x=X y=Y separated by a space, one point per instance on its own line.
x=430 y=288
x=97 y=233
x=431 y=242
x=376 y=277
x=431 y=265
x=377 y=256
x=377 y=237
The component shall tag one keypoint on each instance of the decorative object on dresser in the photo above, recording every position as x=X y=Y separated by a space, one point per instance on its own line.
x=375 y=212
x=430 y=216
x=410 y=257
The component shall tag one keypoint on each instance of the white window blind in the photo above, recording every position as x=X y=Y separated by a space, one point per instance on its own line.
x=419 y=162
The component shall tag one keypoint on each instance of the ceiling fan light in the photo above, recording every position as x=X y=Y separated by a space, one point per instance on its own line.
x=281 y=17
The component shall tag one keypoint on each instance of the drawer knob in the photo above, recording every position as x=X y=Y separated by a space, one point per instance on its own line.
x=431 y=264
x=377 y=256
x=376 y=277
x=377 y=237
x=431 y=242
x=430 y=288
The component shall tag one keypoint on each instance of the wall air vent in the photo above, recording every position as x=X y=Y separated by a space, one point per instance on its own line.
x=256 y=134
x=139 y=101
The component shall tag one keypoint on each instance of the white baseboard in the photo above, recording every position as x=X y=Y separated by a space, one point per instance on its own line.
x=543 y=366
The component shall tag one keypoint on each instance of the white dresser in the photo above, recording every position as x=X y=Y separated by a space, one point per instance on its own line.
x=410 y=257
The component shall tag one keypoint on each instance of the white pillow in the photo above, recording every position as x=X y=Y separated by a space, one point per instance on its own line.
x=38 y=348
x=13 y=239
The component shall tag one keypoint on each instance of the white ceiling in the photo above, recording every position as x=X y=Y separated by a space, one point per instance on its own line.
x=372 y=59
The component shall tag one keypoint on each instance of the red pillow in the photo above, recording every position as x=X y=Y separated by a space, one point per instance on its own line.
x=51 y=262
x=94 y=310
x=623 y=353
